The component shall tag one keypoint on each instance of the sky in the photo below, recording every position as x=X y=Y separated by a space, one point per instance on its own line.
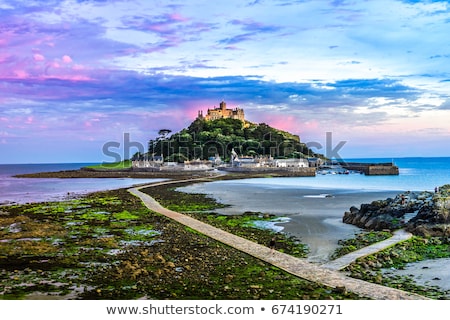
x=76 y=76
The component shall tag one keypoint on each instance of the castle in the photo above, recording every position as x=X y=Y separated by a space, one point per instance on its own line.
x=222 y=113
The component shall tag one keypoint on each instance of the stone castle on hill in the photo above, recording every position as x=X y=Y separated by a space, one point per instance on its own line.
x=223 y=113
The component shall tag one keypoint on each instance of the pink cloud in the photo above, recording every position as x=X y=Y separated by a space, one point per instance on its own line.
x=20 y=74
x=55 y=64
x=29 y=120
x=177 y=17
x=38 y=67
x=4 y=57
x=283 y=122
x=78 y=67
x=27 y=69
x=38 y=57
x=307 y=129
x=160 y=27
x=66 y=59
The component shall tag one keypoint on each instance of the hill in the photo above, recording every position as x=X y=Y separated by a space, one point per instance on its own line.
x=204 y=139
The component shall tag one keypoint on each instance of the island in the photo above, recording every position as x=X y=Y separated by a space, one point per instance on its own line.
x=223 y=139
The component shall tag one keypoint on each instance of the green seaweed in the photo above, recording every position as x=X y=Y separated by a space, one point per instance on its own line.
x=109 y=246
x=125 y=215
x=417 y=248
x=361 y=240
x=240 y=224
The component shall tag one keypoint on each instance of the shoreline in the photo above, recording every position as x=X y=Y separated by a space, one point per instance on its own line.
x=106 y=243
x=317 y=221
x=166 y=174
x=315 y=215
x=316 y=194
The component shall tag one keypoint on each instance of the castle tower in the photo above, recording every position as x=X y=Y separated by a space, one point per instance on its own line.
x=222 y=113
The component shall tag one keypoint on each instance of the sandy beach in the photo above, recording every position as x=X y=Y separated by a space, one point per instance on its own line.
x=315 y=215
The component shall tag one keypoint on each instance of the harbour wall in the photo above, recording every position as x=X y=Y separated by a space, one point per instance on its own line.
x=372 y=169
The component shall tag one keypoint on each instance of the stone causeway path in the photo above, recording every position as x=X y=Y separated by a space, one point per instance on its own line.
x=341 y=262
x=326 y=274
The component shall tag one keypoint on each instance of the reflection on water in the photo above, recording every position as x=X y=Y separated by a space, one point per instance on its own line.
x=23 y=190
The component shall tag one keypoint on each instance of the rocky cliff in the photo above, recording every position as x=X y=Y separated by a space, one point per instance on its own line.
x=422 y=213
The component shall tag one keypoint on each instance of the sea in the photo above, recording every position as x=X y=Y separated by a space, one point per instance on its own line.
x=310 y=208
x=416 y=174
x=30 y=190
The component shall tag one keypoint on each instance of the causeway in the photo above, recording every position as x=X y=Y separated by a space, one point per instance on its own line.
x=327 y=274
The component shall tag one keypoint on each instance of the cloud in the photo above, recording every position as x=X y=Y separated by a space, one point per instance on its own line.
x=99 y=68
x=252 y=30
x=445 y=105
x=38 y=57
x=164 y=88
x=53 y=43
x=166 y=96
x=171 y=29
x=66 y=59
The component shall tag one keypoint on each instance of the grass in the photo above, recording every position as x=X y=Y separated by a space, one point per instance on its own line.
x=125 y=164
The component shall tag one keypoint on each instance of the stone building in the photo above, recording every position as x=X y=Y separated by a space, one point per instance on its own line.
x=223 y=113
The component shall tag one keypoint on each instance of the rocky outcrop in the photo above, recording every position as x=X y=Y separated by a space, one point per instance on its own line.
x=422 y=213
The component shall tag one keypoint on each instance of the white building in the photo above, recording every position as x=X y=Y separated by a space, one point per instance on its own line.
x=291 y=163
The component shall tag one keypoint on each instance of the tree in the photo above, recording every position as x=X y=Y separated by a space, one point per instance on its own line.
x=203 y=139
x=163 y=133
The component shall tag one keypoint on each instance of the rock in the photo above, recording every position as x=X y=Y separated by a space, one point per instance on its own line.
x=340 y=290
x=432 y=213
x=255 y=286
x=354 y=210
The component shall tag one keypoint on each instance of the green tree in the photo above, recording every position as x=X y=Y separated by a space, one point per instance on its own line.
x=203 y=139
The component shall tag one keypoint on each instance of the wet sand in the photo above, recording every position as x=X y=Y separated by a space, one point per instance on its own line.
x=315 y=215
x=428 y=273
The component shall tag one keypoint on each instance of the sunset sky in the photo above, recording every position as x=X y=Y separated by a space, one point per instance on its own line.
x=75 y=75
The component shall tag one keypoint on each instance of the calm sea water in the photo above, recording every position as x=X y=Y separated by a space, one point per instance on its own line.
x=304 y=203
x=24 y=190
x=416 y=174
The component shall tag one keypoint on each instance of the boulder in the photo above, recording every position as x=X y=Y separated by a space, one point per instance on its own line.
x=432 y=213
